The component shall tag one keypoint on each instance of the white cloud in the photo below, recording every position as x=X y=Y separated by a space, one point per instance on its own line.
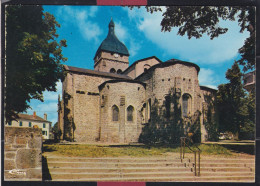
x=207 y=78
x=134 y=48
x=81 y=18
x=49 y=106
x=123 y=35
x=201 y=51
x=121 y=31
x=53 y=96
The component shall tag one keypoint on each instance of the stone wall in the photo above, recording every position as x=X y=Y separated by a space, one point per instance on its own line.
x=122 y=95
x=23 y=154
x=107 y=60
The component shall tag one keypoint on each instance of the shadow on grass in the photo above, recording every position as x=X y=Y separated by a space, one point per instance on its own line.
x=47 y=149
x=147 y=146
x=248 y=148
x=45 y=170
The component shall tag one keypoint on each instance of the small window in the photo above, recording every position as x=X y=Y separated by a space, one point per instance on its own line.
x=130 y=112
x=44 y=125
x=9 y=123
x=186 y=105
x=112 y=70
x=115 y=112
x=30 y=124
x=43 y=132
x=119 y=71
x=21 y=124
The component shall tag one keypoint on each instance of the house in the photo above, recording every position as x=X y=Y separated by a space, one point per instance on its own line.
x=25 y=120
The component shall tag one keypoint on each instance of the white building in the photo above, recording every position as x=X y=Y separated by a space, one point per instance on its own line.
x=26 y=120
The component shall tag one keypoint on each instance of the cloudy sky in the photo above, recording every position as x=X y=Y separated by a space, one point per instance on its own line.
x=85 y=27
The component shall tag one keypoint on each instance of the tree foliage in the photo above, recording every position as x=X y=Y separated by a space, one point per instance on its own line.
x=236 y=108
x=167 y=124
x=33 y=57
x=199 y=20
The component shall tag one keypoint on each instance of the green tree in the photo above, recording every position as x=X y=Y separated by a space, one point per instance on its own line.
x=232 y=103
x=57 y=132
x=199 y=20
x=33 y=57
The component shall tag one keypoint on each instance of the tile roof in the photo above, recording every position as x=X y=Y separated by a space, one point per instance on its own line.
x=31 y=117
x=96 y=73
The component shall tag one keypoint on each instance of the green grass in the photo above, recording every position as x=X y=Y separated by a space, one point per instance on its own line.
x=83 y=150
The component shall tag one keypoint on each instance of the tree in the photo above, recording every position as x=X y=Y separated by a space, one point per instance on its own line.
x=231 y=102
x=196 y=21
x=57 y=132
x=33 y=57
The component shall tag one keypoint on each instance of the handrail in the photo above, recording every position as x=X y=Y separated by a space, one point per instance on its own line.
x=182 y=154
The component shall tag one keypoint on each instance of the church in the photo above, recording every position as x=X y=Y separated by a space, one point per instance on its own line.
x=115 y=102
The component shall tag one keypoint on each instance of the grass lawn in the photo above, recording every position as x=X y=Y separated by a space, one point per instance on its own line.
x=84 y=150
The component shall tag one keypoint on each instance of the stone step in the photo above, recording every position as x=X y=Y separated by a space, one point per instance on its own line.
x=124 y=170
x=226 y=169
x=119 y=175
x=127 y=160
x=208 y=174
x=170 y=179
x=202 y=164
x=98 y=164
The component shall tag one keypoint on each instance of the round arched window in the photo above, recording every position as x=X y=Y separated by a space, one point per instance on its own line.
x=115 y=113
x=130 y=113
x=186 y=105
x=112 y=70
x=119 y=71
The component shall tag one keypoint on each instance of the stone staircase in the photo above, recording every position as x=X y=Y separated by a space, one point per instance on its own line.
x=159 y=169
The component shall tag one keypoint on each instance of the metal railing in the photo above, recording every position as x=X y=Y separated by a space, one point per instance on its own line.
x=197 y=151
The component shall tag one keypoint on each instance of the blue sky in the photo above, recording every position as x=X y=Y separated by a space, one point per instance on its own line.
x=85 y=27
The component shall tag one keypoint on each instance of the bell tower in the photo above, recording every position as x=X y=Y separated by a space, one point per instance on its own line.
x=112 y=55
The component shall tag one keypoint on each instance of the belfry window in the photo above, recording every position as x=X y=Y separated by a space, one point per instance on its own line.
x=130 y=113
x=115 y=113
x=119 y=71
x=112 y=70
x=186 y=105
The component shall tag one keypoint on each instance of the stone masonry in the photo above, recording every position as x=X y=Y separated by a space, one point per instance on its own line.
x=23 y=154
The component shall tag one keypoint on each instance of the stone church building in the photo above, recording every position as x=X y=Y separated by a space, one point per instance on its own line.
x=113 y=102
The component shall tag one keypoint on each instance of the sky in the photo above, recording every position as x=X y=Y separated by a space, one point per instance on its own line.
x=85 y=27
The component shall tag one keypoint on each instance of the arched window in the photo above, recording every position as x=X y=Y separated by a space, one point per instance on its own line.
x=149 y=110
x=119 y=71
x=115 y=113
x=186 y=105
x=112 y=70
x=130 y=113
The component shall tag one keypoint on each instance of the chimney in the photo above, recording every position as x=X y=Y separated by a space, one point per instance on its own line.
x=45 y=116
x=34 y=114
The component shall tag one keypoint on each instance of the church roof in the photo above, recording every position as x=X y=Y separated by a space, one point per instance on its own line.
x=95 y=73
x=121 y=80
x=140 y=60
x=112 y=43
x=169 y=63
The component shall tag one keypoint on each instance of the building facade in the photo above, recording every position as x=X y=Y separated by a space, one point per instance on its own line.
x=32 y=121
x=114 y=103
